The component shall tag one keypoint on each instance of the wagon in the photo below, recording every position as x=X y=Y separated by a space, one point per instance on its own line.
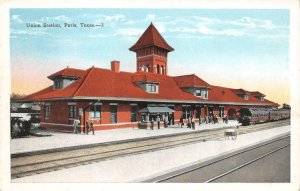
x=230 y=133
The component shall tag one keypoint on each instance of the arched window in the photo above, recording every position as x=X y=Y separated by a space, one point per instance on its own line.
x=157 y=69
x=162 y=70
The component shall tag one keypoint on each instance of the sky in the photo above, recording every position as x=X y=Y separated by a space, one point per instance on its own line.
x=246 y=48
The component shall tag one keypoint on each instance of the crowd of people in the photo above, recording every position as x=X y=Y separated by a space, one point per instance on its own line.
x=19 y=128
x=166 y=119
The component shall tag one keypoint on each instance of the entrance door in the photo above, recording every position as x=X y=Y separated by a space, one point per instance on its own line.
x=171 y=122
x=113 y=113
x=210 y=110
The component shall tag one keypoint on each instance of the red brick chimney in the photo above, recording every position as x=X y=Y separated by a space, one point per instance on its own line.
x=115 y=66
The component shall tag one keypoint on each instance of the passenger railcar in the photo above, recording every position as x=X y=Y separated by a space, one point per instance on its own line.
x=259 y=115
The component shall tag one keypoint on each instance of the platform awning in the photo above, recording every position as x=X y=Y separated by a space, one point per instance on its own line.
x=156 y=110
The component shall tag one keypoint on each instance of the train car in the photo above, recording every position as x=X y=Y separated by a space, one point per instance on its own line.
x=259 y=115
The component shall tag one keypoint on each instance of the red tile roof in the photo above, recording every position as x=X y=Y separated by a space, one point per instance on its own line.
x=257 y=94
x=224 y=94
x=70 y=72
x=151 y=37
x=190 y=81
x=143 y=77
x=104 y=83
x=240 y=91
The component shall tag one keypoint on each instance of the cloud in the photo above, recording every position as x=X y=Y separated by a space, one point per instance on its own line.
x=226 y=32
x=62 y=18
x=150 y=17
x=129 y=32
x=27 y=32
x=17 y=18
x=117 y=17
x=244 y=26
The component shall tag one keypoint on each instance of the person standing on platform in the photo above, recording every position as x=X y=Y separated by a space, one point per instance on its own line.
x=76 y=123
x=152 y=124
x=226 y=119
x=189 y=122
x=87 y=128
x=158 y=121
x=92 y=127
x=166 y=121
x=181 y=121
x=192 y=123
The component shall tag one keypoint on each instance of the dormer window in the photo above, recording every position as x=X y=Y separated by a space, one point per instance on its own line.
x=204 y=94
x=246 y=97
x=58 y=84
x=201 y=93
x=262 y=98
x=151 y=88
x=63 y=82
x=198 y=93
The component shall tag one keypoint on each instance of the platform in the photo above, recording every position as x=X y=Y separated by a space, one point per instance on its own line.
x=63 y=140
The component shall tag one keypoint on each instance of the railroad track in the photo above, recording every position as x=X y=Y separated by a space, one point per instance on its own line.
x=283 y=142
x=47 y=162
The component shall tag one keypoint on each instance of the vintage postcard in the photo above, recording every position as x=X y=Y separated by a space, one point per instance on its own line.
x=203 y=94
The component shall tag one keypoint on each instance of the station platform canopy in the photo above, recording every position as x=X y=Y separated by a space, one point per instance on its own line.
x=156 y=110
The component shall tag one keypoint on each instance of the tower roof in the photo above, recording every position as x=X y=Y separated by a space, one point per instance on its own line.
x=151 y=37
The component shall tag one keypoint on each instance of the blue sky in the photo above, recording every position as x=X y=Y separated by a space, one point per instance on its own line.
x=234 y=48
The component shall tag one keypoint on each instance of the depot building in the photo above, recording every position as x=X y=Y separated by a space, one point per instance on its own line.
x=115 y=99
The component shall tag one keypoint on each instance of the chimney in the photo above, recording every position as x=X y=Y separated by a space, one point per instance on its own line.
x=115 y=66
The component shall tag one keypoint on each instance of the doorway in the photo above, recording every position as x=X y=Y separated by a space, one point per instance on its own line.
x=113 y=113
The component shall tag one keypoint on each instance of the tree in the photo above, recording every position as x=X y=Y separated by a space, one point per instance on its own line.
x=14 y=97
x=286 y=106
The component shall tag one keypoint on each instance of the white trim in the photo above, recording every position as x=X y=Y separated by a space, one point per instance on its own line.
x=58 y=124
x=47 y=104
x=93 y=103
x=154 y=100
x=133 y=104
x=72 y=103
x=113 y=103
x=115 y=124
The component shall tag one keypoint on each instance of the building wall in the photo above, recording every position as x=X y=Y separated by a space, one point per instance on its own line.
x=59 y=114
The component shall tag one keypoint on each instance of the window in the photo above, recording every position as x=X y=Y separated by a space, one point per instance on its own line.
x=198 y=93
x=133 y=113
x=262 y=98
x=204 y=94
x=221 y=111
x=95 y=111
x=47 y=110
x=246 y=97
x=72 y=111
x=58 y=84
x=152 y=88
x=186 y=110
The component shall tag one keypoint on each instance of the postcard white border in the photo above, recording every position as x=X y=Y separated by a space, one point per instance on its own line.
x=292 y=5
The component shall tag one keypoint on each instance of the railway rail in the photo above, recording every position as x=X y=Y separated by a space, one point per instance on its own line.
x=47 y=162
x=199 y=171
